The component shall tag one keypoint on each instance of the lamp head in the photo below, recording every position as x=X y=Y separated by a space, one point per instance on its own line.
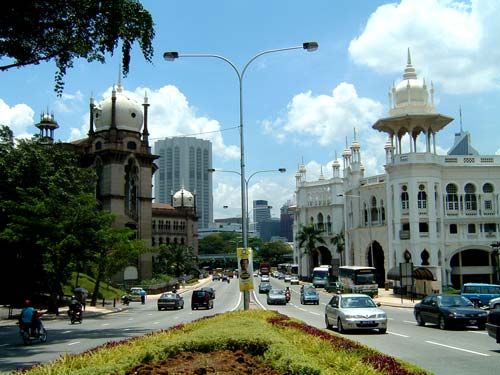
x=171 y=55
x=282 y=170
x=310 y=46
x=211 y=170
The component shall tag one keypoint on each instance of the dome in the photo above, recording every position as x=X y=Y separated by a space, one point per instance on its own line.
x=183 y=198
x=128 y=113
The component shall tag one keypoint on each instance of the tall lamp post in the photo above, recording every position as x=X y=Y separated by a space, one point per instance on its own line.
x=245 y=219
x=495 y=253
x=173 y=55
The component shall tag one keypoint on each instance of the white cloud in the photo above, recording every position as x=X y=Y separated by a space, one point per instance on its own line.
x=69 y=103
x=18 y=118
x=325 y=118
x=453 y=43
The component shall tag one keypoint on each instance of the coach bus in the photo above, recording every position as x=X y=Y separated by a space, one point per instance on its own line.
x=359 y=279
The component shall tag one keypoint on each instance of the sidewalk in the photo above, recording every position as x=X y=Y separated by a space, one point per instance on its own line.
x=388 y=298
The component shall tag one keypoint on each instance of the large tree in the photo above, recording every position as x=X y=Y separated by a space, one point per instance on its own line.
x=175 y=260
x=273 y=252
x=308 y=236
x=37 y=31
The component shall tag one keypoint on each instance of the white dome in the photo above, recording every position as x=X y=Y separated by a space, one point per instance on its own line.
x=128 y=113
x=183 y=198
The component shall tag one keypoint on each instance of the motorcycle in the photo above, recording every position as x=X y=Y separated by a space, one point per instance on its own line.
x=288 y=296
x=75 y=316
x=29 y=336
x=125 y=300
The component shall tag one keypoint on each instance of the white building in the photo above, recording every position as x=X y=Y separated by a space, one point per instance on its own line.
x=440 y=212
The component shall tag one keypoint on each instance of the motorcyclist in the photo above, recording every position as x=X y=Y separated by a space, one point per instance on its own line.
x=30 y=319
x=75 y=307
x=287 y=294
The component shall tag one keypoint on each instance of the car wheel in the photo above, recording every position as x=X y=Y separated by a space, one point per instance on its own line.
x=159 y=308
x=382 y=330
x=442 y=323
x=419 y=319
x=43 y=335
x=327 y=323
x=340 y=327
x=481 y=326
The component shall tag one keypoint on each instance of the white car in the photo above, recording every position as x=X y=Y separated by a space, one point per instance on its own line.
x=288 y=278
x=264 y=278
x=354 y=311
x=294 y=280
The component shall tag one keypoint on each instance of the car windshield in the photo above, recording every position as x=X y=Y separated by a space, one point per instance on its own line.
x=357 y=302
x=277 y=291
x=265 y=284
x=453 y=301
x=168 y=296
x=310 y=292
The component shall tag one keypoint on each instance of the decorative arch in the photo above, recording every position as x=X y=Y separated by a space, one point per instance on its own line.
x=131 y=188
x=424 y=256
x=322 y=255
x=472 y=264
x=376 y=258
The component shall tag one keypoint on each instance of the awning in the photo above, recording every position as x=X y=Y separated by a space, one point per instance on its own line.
x=419 y=273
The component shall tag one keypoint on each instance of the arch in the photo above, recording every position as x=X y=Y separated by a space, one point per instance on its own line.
x=131 y=188
x=422 y=197
x=405 y=199
x=322 y=255
x=320 y=221
x=470 y=198
x=424 y=256
x=488 y=188
x=472 y=264
x=376 y=258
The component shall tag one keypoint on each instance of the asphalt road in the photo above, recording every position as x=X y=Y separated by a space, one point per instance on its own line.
x=454 y=352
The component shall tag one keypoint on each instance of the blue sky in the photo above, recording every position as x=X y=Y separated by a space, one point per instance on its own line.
x=297 y=105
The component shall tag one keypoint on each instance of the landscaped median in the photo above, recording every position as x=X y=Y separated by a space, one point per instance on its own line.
x=255 y=340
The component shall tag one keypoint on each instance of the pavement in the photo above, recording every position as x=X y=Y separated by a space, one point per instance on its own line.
x=385 y=298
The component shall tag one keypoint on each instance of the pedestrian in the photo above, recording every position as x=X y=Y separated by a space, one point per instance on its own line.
x=143 y=296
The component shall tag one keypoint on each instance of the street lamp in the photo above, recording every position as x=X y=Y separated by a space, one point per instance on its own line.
x=245 y=211
x=496 y=253
x=369 y=224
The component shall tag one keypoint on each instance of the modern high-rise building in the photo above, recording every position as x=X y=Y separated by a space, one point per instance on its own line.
x=261 y=212
x=184 y=163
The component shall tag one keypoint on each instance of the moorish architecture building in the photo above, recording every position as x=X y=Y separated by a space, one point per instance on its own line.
x=440 y=212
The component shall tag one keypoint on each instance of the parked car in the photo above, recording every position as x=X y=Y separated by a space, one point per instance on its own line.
x=201 y=298
x=294 y=280
x=309 y=295
x=495 y=303
x=210 y=291
x=493 y=324
x=447 y=310
x=276 y=297
x=265 y=287
x=334 y=287
x=170 y=301
x=287 y=278
x=354 y=311
x=480 y=294
x=135 y=294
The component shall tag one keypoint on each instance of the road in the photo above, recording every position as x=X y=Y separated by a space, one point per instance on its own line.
x=454 y=352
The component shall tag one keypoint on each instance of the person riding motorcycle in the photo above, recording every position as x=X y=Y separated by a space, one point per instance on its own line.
x=30 y=319
x=287 y=294
x=75 y=307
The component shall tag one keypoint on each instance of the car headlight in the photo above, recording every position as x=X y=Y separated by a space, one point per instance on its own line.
x=350 y=316
x=456 y=315
x=381 y=316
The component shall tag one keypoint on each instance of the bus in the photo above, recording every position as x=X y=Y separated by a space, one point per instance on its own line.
x=287 y=268
x=264 y=269
x=359 y=279
x=322 y=275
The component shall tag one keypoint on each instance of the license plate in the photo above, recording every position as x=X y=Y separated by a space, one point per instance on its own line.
x=368 y=322
x=472 y=322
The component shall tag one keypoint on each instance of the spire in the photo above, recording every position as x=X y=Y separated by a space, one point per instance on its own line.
x=409 y=70
x=409 y=57
x=119 y=88
x=321 y=176
x=460 y=111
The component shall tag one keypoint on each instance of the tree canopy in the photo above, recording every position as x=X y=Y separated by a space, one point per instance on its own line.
x=308 y=237
x=274 y=252
x=38 y=31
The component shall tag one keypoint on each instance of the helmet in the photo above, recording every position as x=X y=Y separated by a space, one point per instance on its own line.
x=73 y=297
x=27 y=302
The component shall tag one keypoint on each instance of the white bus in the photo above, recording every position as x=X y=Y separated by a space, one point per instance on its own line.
x=321 y=275
x=358 y=279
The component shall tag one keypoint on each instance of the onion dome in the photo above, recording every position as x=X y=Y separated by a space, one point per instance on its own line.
x=183 y=198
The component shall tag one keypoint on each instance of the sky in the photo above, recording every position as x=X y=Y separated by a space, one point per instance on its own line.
x=297 y=105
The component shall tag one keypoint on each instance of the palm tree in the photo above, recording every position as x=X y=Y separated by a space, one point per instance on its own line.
x=339 y=241
x=308 y=237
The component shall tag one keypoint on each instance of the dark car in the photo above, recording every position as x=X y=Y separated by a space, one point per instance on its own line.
x=215 y=277
x=493 y=324
x=334 y=287
x=448 y=310
x=265 y=287
x=276 y=297
x=201 y=298
x=210 y=291
x=170 y=301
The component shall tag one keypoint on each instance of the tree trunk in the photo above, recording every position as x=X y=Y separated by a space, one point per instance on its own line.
x=99 y=276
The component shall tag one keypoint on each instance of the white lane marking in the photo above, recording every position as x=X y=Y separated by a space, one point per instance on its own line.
x=390 y=318
x=409 y=321
x=67 y=331
x=301 y=309
x=156 y=322
x=3 y=345
x=257 y=301
x=130 y=318
x=397 y=334
x=150 y=314
x=479 y=332
x=315 y=313
x=454 y=347
x=238 y=303
x=73 y=343
x=105 y=324
x=127 y=329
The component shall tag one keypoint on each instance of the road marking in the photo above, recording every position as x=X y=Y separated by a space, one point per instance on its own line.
x=3 y=345
x=127 y=329
x=454 y=347
x=315 y=313
x=67 y=331
x=105 y=324
x=479 y=332
x=397 y=334
x=150 y=314
x=156 y=322
x=410 y=321
x=130 y=318
x=301 y=309
x=73 y=343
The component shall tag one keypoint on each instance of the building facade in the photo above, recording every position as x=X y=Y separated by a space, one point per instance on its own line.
x=261 y=212
x=439 y=212
x=185 y=163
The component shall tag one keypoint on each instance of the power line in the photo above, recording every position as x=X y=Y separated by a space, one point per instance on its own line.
x=192 y=134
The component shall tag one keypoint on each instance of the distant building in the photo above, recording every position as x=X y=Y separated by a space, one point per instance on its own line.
x=286 y=222
x=269 y=228
x=184 y=163
x=261 y=212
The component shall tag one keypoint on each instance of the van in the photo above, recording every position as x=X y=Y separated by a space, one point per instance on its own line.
x=201 y=298
x=480 y=294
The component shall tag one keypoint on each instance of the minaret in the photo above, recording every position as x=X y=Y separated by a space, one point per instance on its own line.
x=91 y=119
x=145 y=133
x=321 y=176
x=47 y=125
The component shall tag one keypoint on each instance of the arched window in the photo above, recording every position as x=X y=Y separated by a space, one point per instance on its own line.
x=382 y=211
x=365 y=213
x=425 y=258
x=329 y=224
x=488 y=196
x=374 y=210
x=131 y=189
x=488 y=188
x=422 y=197
x=405 y=201
x=320 y=221
x=451 y=197
x=311 y=220
x=470 y=197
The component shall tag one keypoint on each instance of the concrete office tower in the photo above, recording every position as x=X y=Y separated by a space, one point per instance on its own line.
x=184 y=163
x=261 y=212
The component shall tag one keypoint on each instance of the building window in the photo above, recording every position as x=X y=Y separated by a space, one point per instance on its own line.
x=405 y=203
x=422 y=197
x=471 y=228
x=425 y=257
x=490 y=227
x=131 y=145
x=453 y=229
x=451 y=197
x=98 y=145
x=488 y=188
x=423 y=227
x=470 y=197
x=374 y=211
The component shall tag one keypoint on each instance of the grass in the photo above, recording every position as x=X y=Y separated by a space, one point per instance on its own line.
x=284 y=343
x=84 y=281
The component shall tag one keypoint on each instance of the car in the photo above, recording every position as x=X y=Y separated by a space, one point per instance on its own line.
x=215 y=277
x=264 y=278
x=294 y=280
x=170 y=301
x=265 y=287
x=276 y=297
x=224 y=278
x=287 y=278
x=281 y=276
x=135 y=294
x=210 y=291
x=201 y=298
x=494 y=303
x=255 y=274
x=354 y=312
x=493 y=325
x=480 y=294
x=448 y=310
x=309 y=295
x=334 y=287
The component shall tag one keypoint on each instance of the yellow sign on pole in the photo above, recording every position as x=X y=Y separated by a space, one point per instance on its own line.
x=245 y=268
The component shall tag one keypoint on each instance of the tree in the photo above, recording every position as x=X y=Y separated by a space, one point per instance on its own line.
x=175 y=259
x=273 y=252
x=308 y=237
x=32 y=32
x=339 y=241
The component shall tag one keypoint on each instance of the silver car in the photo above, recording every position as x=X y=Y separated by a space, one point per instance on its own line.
x=494 y=303
x=354 y=311
x=276 y=297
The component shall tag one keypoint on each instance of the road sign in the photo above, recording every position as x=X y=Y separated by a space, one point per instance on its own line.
x=245 y=268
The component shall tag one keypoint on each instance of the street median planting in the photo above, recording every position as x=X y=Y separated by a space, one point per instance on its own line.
x=287 y=346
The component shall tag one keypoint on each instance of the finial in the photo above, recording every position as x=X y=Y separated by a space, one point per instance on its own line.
x=346 y=144
x=354 y=133
x=460 y=111
x=119 y=78
x=409 y=57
